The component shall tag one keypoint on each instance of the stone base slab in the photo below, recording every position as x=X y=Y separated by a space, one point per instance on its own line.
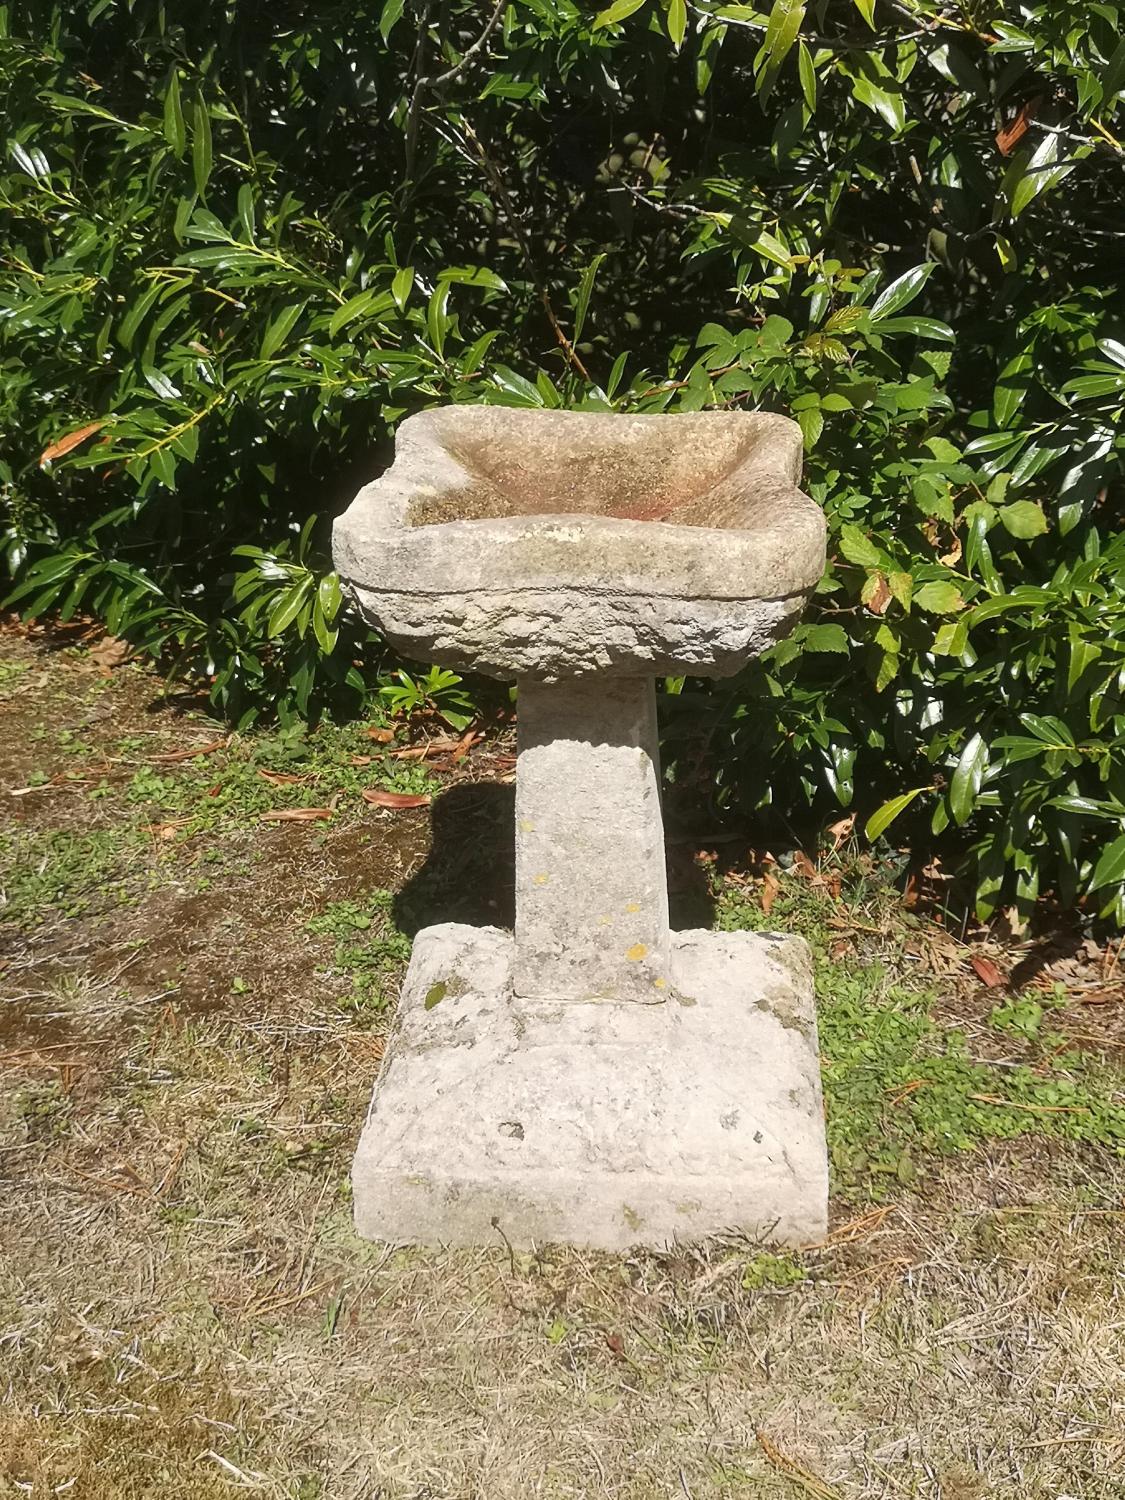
x=606 y=1124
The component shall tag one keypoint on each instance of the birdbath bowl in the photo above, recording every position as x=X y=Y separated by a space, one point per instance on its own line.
x=595 y=1078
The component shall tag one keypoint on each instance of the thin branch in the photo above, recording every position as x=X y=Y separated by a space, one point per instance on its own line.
x=681 y=209
x=1071 y=135
x=499 y=187
x=469 y=53
x=416 y=93
x=422 y=82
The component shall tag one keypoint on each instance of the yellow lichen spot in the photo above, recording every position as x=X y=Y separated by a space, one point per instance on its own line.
x=633 y=906
x=540 y=879
x=526 y=825
x=659 y=984
x=636 y=952
x=604 y=921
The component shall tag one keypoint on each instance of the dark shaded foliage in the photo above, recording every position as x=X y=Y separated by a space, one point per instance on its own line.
x=239 y=244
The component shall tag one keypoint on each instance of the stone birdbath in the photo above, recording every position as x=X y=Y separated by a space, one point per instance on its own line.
x=594 y=1078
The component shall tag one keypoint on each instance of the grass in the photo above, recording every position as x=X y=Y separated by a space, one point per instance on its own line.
x=370 y=951
x=189 y=1030
x=59 y=872
x=902 y=1090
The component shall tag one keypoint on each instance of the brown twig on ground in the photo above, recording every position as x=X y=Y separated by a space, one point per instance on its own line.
x=796 y=1473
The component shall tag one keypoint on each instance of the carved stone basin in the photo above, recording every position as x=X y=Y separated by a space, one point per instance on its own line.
x=564 y=544
x=594 y=1077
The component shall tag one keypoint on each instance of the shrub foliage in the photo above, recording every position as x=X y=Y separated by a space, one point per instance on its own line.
x=241 y=241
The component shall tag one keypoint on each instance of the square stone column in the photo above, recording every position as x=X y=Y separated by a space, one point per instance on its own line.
x=591 y=886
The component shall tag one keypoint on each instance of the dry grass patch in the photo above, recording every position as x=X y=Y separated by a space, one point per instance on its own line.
x=186 y=1312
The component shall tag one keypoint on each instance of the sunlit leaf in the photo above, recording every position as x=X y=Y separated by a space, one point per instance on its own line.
x=882 y=818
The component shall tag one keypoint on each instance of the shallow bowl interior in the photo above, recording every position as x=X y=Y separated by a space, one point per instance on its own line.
x=682 y=472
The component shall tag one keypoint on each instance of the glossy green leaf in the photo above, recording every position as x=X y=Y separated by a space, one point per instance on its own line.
x=620 y=10
x=923 y=328
x=175 y=130
x=371 y=304
x=585 y=291
x=390 y=15
x=201 y=148
x=515 y=385
x=886 y=102
x=1110 y=868
x=807 y=74
x=329 y=596
x=402 y=285
x=437 y=317
x=1011 y=388
x=473 y=276
x=288 y=607
x=882 y=818
x=901 y=292
x=782 y=29
x=279 y=328
x=967 y=777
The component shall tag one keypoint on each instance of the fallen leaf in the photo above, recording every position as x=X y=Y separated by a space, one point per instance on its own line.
x=361 y=760
x=987 y=972
x=172 y=757
x=380 y=736
x=1016 y=922
x=770 y=887
x=69 y=442
x=804 y=865
x=110 y=652
x=281 y=778
x=467 y=741
x=1102 y=997
x=164 y=832
x=297 y=815
x=841 y=830
x=379 y=798
x=433 y=747
x=615 y=1343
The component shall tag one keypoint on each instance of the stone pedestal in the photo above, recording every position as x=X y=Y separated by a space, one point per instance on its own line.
x=591 y=889
x=595 y=1079
x=608 y=1124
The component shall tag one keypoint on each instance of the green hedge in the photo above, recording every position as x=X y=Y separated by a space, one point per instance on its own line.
x=241 y=240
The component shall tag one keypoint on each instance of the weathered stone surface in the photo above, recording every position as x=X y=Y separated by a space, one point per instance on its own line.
x=608 y=1125
x=592 y=898
x=598 y=1079
x=522 y=543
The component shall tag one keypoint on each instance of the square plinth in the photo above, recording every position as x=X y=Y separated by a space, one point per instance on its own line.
x=606 y=1124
